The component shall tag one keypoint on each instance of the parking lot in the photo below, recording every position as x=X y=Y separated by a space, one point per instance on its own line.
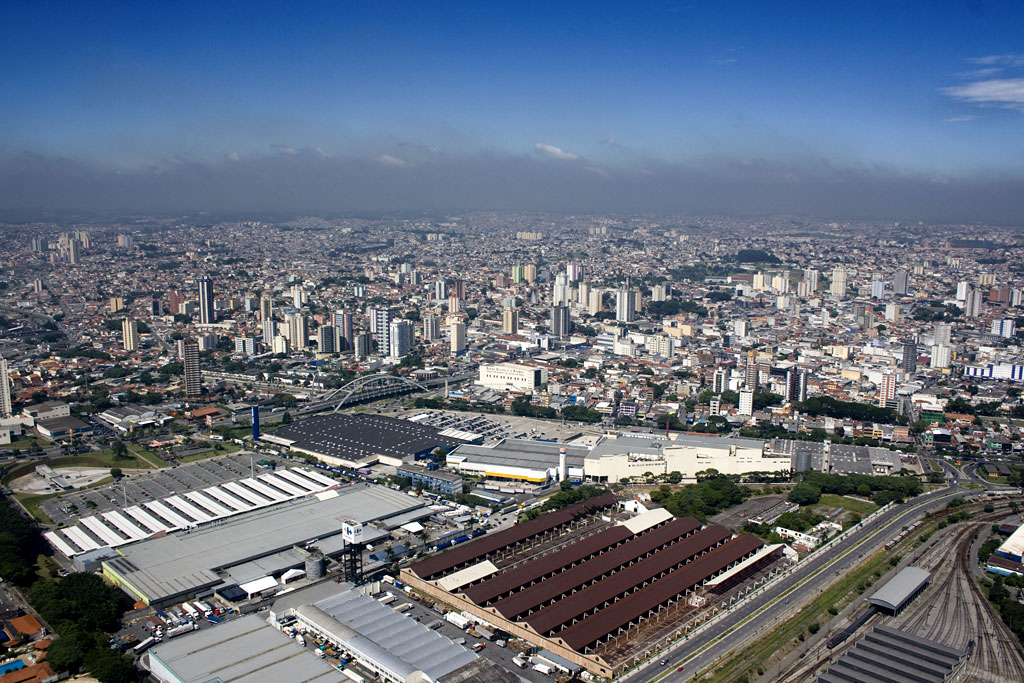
x=496 y=428
x=136 y=488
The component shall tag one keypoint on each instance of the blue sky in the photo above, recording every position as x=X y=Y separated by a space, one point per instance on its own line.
x=927 y=88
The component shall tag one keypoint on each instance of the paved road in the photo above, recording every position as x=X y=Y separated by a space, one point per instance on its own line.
x=791 y=592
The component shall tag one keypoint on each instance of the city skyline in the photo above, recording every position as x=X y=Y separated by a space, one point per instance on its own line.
x=865 y=112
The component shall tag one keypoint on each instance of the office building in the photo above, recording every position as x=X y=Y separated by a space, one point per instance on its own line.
x=746 y=406
x=559 y=321
x=399 y=338
x=512 y=377
x=909 y=358
x=266 y=308
x=560 y=291
x=74 y=252
x=887 y=390
x=457 y=337
x=625 y=304
x=440 y=290
x=245 y=345
x=298 y=330
x=720 y=381
x=510 y=321
x=750 y=377
x=595 y=303
x=279 y=344
x=811 y=276
x=343 y=330
x=380 y=327
x=206 y=313
x=431 y=327
x=5 y=390
x=796 y=385
x=193 y=377
x=878 y=288
x=739 y=328
x=327 y=339
x=269 y=330
x=130 y=334
x=972 y=304
x=941 y=356
x=362 y=345
x=901 y=283
x=659 y=292
x=530 y=273
x=1005 y=328
x=838 y=286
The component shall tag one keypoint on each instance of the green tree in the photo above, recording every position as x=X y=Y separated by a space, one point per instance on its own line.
x=805 y=494
x=115 y=472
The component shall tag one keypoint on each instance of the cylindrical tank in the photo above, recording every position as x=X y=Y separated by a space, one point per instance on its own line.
x=563 y=470
x=315 y=566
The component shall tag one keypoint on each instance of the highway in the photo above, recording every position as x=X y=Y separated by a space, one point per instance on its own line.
x=788 y=594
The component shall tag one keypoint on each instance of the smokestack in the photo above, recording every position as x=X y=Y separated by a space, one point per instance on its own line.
x=563 y=468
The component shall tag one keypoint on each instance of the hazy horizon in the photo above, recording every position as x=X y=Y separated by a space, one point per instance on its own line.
x=871 y=111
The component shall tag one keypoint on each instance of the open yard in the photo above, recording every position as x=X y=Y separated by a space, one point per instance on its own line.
x=855 y=505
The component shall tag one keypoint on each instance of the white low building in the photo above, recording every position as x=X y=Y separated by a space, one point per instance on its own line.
x=512 y=377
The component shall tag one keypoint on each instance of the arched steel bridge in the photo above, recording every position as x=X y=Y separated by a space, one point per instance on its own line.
x=370 y=388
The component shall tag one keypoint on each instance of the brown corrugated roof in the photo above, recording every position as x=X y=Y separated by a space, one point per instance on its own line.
x=432 y=567
x=554 y=616
x=543 y=566
x=525 y=600
x=598 y=625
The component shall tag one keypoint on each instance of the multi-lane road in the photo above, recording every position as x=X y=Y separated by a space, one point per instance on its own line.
x=745 y=622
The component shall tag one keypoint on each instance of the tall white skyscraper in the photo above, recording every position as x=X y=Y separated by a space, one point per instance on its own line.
x=973 y=302
x=399 y=338
x=560 y=291
x=943 y=332
x=380 y=328
x=746 y=406
x=5 y=389
x=811 y=278
x=838 y=287
x=431 y=327
x=941 y=356
x=900 y=282
x=457 y=337
x=878 y=288
x=625 y=304
x=962 y=289
x=596 y=302
x=298 y=331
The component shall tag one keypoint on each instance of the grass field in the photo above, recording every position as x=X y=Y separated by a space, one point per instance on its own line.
x=145 y=455
x=99 y=459
x=32 y=503
x=226 y=448
x=861 y=507
x=23 y=444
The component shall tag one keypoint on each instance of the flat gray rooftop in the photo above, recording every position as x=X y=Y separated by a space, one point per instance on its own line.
x=523 y=452
x=375 y=631
x=246 y=650
x=186 y=562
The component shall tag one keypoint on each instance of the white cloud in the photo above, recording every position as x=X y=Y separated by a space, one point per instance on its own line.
x=1003 y=92
x=598 y=171
x=961 y=119
x=388 y=160
x=234 y=157
x=999 y=60
x=286 y=150
x=554 y=152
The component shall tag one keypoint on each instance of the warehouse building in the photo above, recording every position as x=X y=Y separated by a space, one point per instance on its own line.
x=518 y=460
x=443 y=482
x=1013 y=547
x=586 y=600
x=898 y=591
x=887 y=654
x=247 y=549
x=617 y=457
x=362 y=440
x=243 y=649
x=389 y=645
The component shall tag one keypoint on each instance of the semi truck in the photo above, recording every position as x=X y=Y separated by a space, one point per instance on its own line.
x=404 y=607
x=181 y=630
x=387 y=599
x=144 y=645
x=457 y=619
x=191 y=611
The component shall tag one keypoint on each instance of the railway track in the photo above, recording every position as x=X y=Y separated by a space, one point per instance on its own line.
x=953 y=611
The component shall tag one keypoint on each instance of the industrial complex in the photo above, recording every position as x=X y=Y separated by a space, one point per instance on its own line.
x=351 y=634
x=617 y=457
x=361 y=440
x=591 y=584
x=251 y=551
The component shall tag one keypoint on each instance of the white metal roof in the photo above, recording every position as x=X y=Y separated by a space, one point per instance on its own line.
x=259 y=585
x=470 y=574
x=1014 y=545
x=646 y=520
x=899 y=588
